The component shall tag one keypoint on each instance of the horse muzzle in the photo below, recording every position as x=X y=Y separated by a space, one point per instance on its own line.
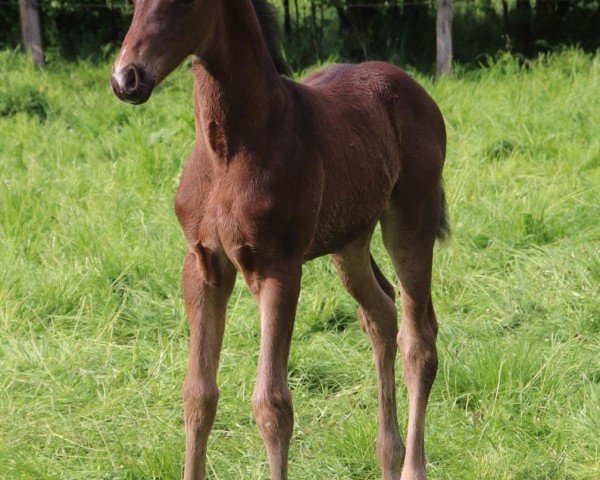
x=132 y=84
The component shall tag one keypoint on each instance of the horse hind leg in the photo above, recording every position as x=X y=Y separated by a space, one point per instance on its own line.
x=374 y=294
x=409 y=231
x=385 y=285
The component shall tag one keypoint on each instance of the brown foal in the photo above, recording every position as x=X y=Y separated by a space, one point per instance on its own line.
x=283 y=172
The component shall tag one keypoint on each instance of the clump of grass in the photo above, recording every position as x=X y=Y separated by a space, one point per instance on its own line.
x=25 y=99
x=21 y=90
x=93 y=338
x=501 y=150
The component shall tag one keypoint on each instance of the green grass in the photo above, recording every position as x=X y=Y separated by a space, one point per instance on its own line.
x=93 y=338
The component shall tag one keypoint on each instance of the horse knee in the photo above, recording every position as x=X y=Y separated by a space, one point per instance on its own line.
x=380 y=320
x=419 y=355
x=200 y=401
x=273 y=412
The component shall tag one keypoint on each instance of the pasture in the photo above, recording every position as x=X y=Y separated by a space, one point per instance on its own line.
x=93 y=338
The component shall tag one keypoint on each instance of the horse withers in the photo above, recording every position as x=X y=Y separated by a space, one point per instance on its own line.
x=283 y=172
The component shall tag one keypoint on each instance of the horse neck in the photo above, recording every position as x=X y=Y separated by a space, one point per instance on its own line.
x=236 y=86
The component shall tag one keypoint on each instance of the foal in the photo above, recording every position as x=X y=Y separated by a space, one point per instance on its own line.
x=283 y=172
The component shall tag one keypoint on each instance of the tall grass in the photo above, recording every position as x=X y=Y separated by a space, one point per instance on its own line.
x=93 y=338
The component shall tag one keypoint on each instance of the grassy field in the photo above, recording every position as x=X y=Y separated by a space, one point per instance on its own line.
x=93 y=338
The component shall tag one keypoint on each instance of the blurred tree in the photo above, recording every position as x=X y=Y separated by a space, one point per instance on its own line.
x=523 y=39
x=287 y=19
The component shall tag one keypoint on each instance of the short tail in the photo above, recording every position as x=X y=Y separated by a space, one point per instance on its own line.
x=443 y=231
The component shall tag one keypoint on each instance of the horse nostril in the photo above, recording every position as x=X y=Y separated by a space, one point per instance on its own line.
x=132 y=79
x=131 y=84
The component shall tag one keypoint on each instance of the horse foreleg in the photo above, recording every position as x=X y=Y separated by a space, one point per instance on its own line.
x=277 y=295
x=206 y=288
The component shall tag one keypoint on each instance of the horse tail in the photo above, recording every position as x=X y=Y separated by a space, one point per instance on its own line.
x=443 y=230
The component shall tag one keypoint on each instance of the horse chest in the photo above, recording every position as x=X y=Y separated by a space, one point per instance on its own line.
x=228 y=216
x=205 y=215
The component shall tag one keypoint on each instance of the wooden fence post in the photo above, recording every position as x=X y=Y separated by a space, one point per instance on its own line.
x=31 y=30
x=444 y=39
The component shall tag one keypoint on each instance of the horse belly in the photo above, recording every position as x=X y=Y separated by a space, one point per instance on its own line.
x=353 y=200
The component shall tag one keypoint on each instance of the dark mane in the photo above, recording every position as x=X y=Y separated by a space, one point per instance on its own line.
x=269 y=23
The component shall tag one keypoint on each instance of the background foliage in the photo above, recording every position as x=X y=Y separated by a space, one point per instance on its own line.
x=402 y=31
